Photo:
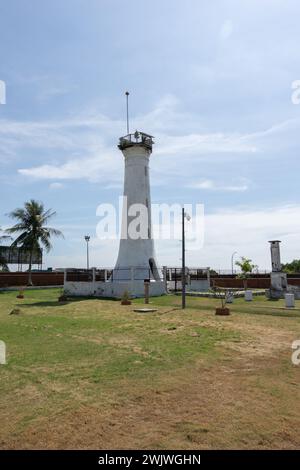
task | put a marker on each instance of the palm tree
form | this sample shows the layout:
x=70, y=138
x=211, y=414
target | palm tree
x=3, y=264
x=34, y=233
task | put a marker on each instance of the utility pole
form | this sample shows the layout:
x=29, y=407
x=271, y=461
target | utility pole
x=87, y=239
x=183, y=264
x=232, y=256
x=183, y=276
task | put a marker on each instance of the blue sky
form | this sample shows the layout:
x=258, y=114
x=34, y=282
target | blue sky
x=210, y=80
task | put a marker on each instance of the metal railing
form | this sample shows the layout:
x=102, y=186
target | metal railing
x=109, y=275
x=136, y=138
x=79, y=275
x=138, y=273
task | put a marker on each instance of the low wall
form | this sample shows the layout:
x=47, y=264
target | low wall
x=252, y=283
x=112, y=289
x=200, y=285
x=258, y=281
x=38, y=279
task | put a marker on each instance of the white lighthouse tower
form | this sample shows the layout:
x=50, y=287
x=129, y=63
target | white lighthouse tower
x=136, y=263
x=136, y=260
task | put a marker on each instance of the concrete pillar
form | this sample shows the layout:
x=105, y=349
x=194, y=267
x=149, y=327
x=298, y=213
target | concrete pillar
x=248, y=295
x=165, y=276
x=275, y=255
x=2, y=352
x=94, y=281
x=289, y=300
x=208, y=276
x=146, y=291
x=65, y=275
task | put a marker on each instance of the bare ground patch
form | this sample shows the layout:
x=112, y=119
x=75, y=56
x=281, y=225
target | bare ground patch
x=241, y=401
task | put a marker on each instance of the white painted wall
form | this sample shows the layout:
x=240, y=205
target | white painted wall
x=113, y=289
x=200, y=285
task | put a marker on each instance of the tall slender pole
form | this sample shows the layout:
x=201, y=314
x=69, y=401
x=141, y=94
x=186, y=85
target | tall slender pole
x=232, y=256
x=87, y=239
x=127, y=114
x=183, y=263
x=87, y=256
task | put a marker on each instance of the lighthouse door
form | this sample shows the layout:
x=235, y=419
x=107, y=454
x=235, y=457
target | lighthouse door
x=154, y=269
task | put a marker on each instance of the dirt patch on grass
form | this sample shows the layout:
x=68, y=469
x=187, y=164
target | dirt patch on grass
x=207, y=408
x=242, y=392
x=238, y=402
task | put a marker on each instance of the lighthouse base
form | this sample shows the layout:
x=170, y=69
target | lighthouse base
x=113, y=289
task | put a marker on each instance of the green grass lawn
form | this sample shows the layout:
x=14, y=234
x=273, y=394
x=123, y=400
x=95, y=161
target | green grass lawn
x=104, y=358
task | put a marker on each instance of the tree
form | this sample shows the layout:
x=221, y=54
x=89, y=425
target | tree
x=3, y=265
x=293, y=267
x=34, y=234
x=246, y=266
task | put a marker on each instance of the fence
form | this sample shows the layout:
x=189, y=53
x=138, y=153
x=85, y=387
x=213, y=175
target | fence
x=109, y=275
x=38, y=279
x=256, y=281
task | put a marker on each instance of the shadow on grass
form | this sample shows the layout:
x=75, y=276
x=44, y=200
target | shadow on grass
x=283, y=314
x=257, y=310
x=56, y=303
x=46, y=303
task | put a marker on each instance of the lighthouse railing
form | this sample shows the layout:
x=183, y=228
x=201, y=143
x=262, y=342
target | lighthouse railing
x=136, y=138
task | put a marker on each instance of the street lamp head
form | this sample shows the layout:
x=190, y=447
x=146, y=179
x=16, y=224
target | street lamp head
x=87, y=238
x=187, y=216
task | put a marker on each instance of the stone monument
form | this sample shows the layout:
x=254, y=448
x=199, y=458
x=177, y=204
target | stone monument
x=279, y=285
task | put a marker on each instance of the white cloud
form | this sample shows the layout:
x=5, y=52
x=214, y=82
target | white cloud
x=103, y=166
x=245, y=230
x=202, y=144
x=226, y=30
x=248, y=231
x=85, y=146
x=56, y=185
x=51, y=91
x=212, y=185
x=96, y=158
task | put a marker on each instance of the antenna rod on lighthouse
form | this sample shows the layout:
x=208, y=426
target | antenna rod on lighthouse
x=127, y=94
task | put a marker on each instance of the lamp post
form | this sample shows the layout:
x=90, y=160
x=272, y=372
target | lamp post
x=87, y=239
x=232, y=256
x=187, y=217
